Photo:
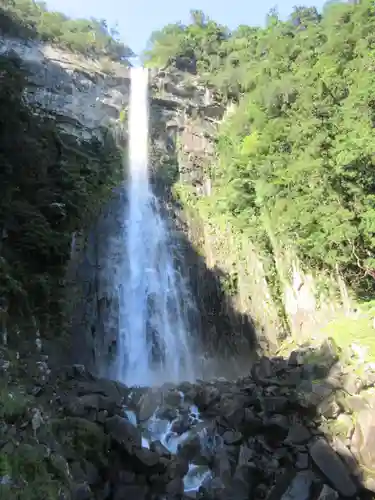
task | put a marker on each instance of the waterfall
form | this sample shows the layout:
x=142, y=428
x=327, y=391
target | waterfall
x=154, y=343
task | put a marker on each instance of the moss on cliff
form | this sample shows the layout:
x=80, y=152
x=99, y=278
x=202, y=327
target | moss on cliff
x=50, y=186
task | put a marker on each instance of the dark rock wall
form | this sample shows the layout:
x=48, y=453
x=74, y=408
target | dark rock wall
x=94, y=270
x=182, y=126
x=184, y=120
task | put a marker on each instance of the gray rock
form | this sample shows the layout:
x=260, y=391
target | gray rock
x=123, y=432
x=363, y=440
x=327, y=493
x=222, y=467
x=298, y=434
x=82, y=492
x=275, y=404
x=131, y=492
x=232, y=437
x=160, y=449
x=175, y=487
x=148, y=404
x=148, y=458
x=302, y=461
x=300, y=487
x=332, y=467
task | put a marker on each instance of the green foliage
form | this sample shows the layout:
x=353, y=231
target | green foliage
x=31, y=477
x=196, y=46
x=92, y=37
x=296, y=158
x=13, y=403
x=358, y=330
x=50, y=187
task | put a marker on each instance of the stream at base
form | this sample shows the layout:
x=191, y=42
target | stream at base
x=172, y=434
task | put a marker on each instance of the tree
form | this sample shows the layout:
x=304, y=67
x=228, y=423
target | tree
x=31, y=19
x=297, y=157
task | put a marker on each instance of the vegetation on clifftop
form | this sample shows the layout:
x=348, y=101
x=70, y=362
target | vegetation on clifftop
x=32, y=19
x=296, y=157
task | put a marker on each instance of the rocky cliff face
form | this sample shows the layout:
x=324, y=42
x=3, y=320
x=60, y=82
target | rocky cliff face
x=86, y=100
x=295, y=427
x=185, y=119
x=84, y=95
x=235, y=292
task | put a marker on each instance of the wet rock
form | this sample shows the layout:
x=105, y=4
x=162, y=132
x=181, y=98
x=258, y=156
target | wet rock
x=166, y=413
x=173, y=398
x=332, y=467
x=256, y=438
x=160, y=449
x=98, y=402
x=190, y=449
x=148, y=404
x=115, y=391
x=206, y=396
x=181, y=425
x=177, y=466
x=123, y=433
x=158, y=483
x=147, y=459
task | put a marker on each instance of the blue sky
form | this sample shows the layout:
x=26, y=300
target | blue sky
x=136, y=19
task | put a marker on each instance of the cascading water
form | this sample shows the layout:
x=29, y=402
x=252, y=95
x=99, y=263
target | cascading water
x=154, y=344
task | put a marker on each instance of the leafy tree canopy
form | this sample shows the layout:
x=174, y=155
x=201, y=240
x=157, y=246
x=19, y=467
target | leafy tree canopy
x=296, y=159
x=92, y=37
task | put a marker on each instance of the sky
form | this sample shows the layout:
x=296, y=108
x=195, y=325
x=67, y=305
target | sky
x=137, y=19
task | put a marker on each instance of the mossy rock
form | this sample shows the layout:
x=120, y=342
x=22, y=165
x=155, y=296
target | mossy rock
x=81, y=438
x=30, y=474
x=13, y=402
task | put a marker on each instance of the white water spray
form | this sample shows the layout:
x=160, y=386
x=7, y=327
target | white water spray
x=154, y=344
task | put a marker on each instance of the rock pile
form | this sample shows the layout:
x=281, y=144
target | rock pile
x=299, y=428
